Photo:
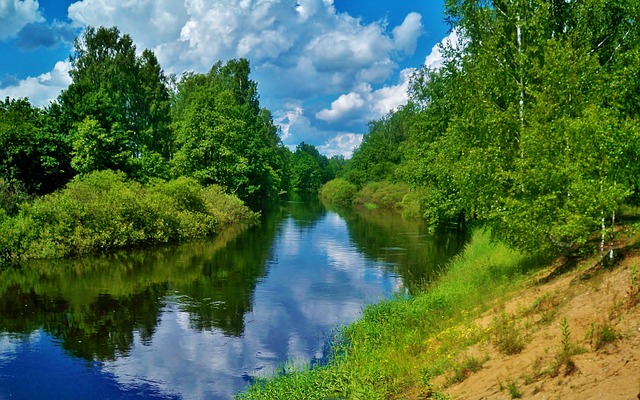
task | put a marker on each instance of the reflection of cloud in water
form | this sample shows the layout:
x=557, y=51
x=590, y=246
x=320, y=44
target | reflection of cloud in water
x=11, y=344
x=348, y=259
x=291, y=237
x=179, y=360
x=8, y=348
x=317, y=280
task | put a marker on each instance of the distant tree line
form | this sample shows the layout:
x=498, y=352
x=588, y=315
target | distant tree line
x=122, y=113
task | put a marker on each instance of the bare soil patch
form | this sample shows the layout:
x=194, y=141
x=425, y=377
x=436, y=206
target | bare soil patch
x=579, y=333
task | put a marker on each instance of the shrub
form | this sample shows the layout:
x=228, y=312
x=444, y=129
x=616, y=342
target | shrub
x=103, y=211
x=383, y=194
x=338, y=192
x=413, y=204
x=12, y=194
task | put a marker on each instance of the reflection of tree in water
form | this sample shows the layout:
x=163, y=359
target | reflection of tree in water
x=405, y=245
x=305, y=211
x=97, y=305
x=223, y=292
x=101, y=330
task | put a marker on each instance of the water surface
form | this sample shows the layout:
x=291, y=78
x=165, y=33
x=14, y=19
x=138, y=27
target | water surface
x=201, y=320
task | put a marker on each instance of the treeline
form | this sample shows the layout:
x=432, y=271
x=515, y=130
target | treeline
x=203, y=136
x=121, y=112
x=531, y=127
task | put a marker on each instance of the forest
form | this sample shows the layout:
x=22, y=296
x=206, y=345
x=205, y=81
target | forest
x=128, y=156
x=530, y=127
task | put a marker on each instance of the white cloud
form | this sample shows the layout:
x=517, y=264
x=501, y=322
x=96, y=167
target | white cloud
x=292, y=115
x=389, y=98
x=149, y=22
x=341, y=145
x=41, y=89
x=344, y=106
x=406, y=36
x=14, y=15
x=365, y=103
x=435, y=59
x=298, y=127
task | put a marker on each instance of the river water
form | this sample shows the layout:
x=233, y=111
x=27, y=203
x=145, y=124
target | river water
x=202, y=320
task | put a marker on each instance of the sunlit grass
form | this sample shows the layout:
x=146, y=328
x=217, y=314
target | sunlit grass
x=401, y=344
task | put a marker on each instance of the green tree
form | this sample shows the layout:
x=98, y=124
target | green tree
x=96, y=149
x=306, y=175
x=309, y=169
x=381, y=150
x=222, y=135
x=33, y=154
x=122, y=92
x=525, y=128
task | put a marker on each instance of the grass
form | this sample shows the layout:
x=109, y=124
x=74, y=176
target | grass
x=514, y=391
x=465, y=368
x=605, y=334
x=401, y=344
x=507, y=335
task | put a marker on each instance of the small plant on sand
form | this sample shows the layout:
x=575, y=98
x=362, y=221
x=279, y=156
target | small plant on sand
x=429, y=393
x=563, y=359
x=605, y=334
x=506, y=334
x=546, y=306
x=512, y=387
x=466, y=367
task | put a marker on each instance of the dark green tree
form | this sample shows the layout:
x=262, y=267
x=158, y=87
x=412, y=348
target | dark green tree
x=222, y=135
x=381, y=150
x=33, y=153
x=123, y=93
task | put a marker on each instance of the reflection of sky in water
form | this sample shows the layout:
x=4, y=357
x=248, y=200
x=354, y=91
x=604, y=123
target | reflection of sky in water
x=38, y=368
x=316, y=281
x=8, y=347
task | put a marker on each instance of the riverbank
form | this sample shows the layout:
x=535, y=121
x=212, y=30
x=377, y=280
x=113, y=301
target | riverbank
x=104, y=211
x=496, y=324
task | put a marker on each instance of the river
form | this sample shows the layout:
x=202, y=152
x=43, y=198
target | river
x=203, y=319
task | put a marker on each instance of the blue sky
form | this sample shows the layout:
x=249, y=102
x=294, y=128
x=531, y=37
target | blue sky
x=324, y=67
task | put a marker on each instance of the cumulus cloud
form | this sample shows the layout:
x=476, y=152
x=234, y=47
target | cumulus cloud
x=341, y=145
x=405, y=36
x=298, y=127
x=344, y=107
x=435, y=59
x=42, y=89
x=14, y=15
x=149, y=22
x=365, y=103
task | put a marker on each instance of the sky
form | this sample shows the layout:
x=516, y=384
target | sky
x=324, y=68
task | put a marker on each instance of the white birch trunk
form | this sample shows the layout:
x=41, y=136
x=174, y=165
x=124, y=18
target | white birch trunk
x=613, y=225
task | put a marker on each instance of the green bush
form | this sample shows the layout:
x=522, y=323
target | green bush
x=383, y=194
x=338, y=192
x=413, y=204
x=104, y=211
x=12, y=194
